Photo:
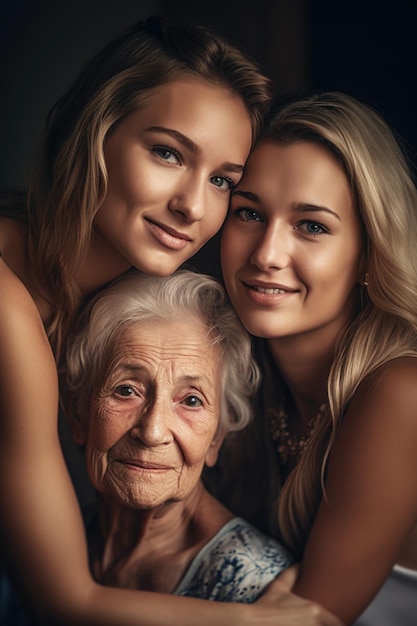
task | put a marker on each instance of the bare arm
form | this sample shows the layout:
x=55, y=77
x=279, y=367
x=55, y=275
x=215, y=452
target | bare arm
x=39, y=512
x=372, y=495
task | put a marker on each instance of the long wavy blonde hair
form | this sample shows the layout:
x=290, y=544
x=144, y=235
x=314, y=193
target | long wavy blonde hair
x=70, y=180
x=386, y=325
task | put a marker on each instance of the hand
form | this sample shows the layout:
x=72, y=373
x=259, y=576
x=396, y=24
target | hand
x=290, y=609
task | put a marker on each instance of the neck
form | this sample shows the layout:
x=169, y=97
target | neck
x=305, y=370
x=99, y=267
x=151, y=549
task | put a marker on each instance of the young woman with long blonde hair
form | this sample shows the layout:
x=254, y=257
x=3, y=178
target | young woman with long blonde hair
x=319, y=256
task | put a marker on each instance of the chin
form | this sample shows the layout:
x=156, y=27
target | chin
x=259, y=330
x=158, y=269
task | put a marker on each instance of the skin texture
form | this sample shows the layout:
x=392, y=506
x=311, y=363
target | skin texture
x=50, y=552
x=291, y=256
x=151, y=428
x=279, y=237
x=171, y=167
x=153, y=424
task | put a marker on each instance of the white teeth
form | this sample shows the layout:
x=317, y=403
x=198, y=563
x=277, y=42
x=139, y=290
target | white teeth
x=269, y=291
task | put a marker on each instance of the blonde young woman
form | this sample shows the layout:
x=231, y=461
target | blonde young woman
x=138, y=162
x=319, y=257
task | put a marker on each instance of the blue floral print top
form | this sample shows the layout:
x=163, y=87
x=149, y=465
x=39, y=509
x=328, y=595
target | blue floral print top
x=235, y=565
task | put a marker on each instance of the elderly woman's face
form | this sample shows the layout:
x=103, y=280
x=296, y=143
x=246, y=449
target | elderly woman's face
x=154, y=423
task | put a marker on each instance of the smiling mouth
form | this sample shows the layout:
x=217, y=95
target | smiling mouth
x=144, y=465
x=161, y=230
x=267, y=290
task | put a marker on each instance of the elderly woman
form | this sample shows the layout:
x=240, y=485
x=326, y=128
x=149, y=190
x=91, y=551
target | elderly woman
x=160, y=372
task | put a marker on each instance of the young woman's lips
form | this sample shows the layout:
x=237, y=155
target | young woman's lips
x=167, y=236
x=267, y=293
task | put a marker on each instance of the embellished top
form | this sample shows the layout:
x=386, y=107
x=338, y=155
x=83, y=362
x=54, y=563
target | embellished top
x=235, y=565
x=289, y=446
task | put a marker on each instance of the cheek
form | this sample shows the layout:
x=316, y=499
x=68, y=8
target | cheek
x=132, y=177
x=226, y=238
x=105, y=438
x=236, y=247
x=331, y=266
x=332, y=278
x=228, y=247
x=106, y=428
x=215, y=221
x=194, y=443
x=96, y=463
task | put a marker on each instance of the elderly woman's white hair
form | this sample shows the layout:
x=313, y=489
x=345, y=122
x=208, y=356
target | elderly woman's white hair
x=135, y=298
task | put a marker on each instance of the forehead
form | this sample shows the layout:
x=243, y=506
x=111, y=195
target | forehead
x=299, y=155
x=203, y=111
x=187, y=90
x=305, y=170
x=179, y=344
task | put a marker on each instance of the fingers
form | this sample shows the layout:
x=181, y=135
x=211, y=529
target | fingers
x=285, y=608
x=288, y=577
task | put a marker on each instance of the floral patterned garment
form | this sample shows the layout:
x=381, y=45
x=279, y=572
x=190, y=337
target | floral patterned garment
x=235, y=565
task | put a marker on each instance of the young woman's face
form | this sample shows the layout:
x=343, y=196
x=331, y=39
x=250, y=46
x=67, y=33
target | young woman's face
x=291, y=246
x=154, y=423
x=171, y=166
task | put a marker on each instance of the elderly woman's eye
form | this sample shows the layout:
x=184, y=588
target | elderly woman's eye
x=125, y=390
x=192, y=401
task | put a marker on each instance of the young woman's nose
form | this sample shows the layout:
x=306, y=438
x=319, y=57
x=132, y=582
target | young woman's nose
x=272, y=249
x=189, y=199
x=152, y=426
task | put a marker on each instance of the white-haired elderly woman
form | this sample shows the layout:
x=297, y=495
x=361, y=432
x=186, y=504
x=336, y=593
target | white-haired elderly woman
x=160, y=372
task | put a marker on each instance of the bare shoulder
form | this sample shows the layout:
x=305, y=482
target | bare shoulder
x=402, y=369
x=370, y=506
x=20, y=319
x=390, y=390
x=14, y=292
x=13, y=241
x=26, y=363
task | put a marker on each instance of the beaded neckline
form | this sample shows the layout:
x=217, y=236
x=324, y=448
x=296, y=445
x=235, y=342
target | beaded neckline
x=288, y=445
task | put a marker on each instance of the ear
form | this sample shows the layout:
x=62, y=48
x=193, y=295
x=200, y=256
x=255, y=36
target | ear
x=215, y=445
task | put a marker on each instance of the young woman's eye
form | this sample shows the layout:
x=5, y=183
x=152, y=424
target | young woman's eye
x=223, y=182
x=248, y=215
x=312, y=228
x=126, y=391
x=167, y=154
x=192, y=402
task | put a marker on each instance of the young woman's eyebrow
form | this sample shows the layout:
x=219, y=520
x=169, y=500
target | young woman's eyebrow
x=175, y=134
x=190, y=145
x=317, y=208
x=248, y=195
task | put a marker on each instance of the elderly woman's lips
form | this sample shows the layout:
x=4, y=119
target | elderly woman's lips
x=144, y=465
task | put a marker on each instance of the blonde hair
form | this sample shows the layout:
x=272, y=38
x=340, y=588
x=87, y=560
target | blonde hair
x=70, y=180
x=136, y=298
x=386, y=325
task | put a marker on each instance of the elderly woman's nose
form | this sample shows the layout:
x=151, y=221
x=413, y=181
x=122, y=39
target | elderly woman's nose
x=152, y=426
